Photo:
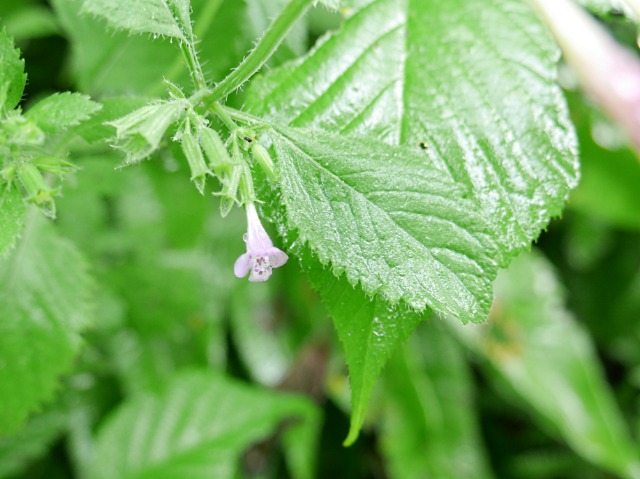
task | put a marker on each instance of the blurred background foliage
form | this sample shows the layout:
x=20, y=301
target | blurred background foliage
x=548, y=389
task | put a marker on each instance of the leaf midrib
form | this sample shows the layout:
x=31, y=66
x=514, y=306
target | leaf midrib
x=407, y=233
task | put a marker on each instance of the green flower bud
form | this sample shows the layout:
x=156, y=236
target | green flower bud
x=262, y=157
x=22, y=131
x=229, y=193
x=175, y=92
x=38, y=191
x=139, y=133
x=247, y=192
x=52, y=164
x=217, y=154
x=193, y=153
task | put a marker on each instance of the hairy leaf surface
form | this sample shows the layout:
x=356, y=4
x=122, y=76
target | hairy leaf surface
x=160, y=17
x=62, y=110
x=470, y=82
x=12, y=75
x=103, y=61
x=11, y=217
x=44, y=294
x=369, y=329
x=387, y=218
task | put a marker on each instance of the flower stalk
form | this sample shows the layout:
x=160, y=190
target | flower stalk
x=608, y=72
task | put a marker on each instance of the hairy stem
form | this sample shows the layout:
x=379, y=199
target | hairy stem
x=201, y=25
x=218, y=109
x=238, y=115
x=193, y=65
x=267, y=45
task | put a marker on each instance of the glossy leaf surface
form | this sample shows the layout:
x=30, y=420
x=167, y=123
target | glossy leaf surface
x=432, y=76
x=389, y=220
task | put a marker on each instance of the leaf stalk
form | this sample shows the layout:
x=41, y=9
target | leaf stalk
x=266, y=47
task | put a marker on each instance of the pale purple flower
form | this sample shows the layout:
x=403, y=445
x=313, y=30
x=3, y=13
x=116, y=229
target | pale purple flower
x=609, y=73
x=261, y=256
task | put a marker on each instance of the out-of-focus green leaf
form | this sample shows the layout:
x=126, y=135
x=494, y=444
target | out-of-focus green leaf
x=197, y=426
x=134, y=226
x=608, y=188
x=31, y=21
x=61, y=111
x=470, y=82
x=159, y=17
x=17, y=450
x=12, y=75
x=44, y=304
x=429, y=423
x=534, y=347
x=606, y=7
x=12, y=213
x=331, y=4
x=256, y=332
x=103, y=61
x=388, y=219
x=261, y=12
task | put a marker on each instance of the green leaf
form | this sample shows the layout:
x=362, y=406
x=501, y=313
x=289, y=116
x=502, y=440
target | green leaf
x=331, y=4
x=259, y=16
x=534, y=346
x=61, y=111
x=160, y=17
x=12, y=75
x=31, y=21
x=430, y=428
x=369, y=329
x=198, y=426
x=266, y=355
x=388, y=219
x=44, y=294
x=103, y=61
x=606, y=7
x=472, y=82
x=17, y=450
x=11, y=218
x=608, y=188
